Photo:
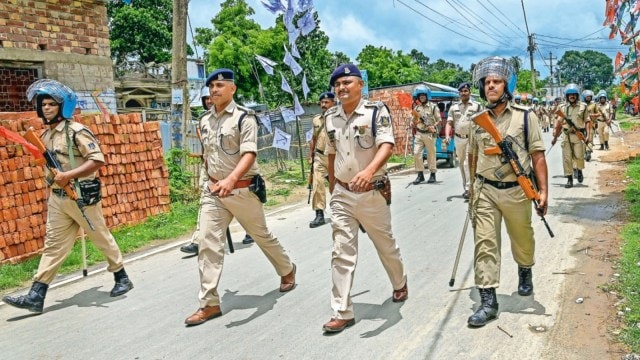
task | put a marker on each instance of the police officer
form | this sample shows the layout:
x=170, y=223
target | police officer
x=518, y=99
x=426, y=117
x=229, y=136
x=573, y=148
x=360, y=143
x=604, y=120
x=78, y=152
x=192, y=247
x=500, y=197
x=319, y=160
x=593, y=112
x=458, y=117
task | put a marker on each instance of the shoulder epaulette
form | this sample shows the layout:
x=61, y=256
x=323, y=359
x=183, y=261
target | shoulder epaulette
x=208, y=112
x=246, y=110
x=520, y=107
x=332, y=110
x=378, y=104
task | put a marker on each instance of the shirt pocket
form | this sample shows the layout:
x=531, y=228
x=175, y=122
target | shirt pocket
x=229, y=142
x=364, y=138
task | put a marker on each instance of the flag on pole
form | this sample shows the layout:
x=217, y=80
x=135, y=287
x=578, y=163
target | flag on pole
x=288, y=115
x=297, y=108
x=264, y=119
x=305, y=87
x=291, y=62
x=267, y=64
x=294, y=50
x=281, y=140
x=304, y=5
x=308, y=135
x=274, y=6
x=285, y=85
x=306, y=23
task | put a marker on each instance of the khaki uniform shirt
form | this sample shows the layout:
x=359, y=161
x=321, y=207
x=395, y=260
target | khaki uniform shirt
x=352, y=139
x=510, y=122
x=577, y=114
x=319, y=134
x=84, y=145
x=429, y=116
x=224, y=143
x=460, y=114
x=605, y=111
x=592, y=108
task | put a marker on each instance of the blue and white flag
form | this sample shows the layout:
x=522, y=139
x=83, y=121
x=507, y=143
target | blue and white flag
x=297, y=108
x=281, y=140
x=306, y=23
x=267, y=64
x=304, y=5
x=291, y=62
x=288, y=115
x=305, y=87
x=294, y=50
x=266, y=121
x=285, y=85
x=308, y=135
x=274, y=6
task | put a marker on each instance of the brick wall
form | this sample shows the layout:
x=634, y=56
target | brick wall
x=135, y=180
x=396, y=100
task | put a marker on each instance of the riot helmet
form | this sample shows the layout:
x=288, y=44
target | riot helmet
x=495, y=66
x=422, y=90
x=60, y=93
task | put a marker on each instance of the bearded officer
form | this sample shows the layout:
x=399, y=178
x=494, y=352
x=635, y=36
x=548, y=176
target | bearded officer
x=319, y=160
x=458, y=117
x=235, y=189
x=360, y=143
x=496, y=194
x=78, y=152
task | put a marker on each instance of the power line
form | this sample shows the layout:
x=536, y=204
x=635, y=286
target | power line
x=475, y=26
x=482, y=21
x=505, y=16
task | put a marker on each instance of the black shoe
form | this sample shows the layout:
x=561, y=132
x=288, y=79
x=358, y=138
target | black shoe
x=606, y=145
x=465, y=195
x=525, y=281
x=318, y=221
x=587, y=155
x=601, y=146
x=191, y=248
x=569, y=183
x=247, y=239
x=432, y=178
x=123, y=284
x=33, y=301
x=488, y=309
x=580, y=176
x=419, y=179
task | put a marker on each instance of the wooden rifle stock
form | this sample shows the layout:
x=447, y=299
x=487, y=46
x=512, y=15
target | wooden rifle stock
x=577, y=131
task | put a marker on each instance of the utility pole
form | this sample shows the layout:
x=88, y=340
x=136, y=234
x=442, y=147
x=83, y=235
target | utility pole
x=179, y=60
x=551, y=73
x=531, y=48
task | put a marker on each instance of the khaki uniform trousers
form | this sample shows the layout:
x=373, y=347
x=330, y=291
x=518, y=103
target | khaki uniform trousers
x=348, y=209
x=319, y=190
x=572, y=153
x=603, y=131
x=64, y=219
x=492, y=205
x=421, y=141
x=461, y=153
x=215, y=215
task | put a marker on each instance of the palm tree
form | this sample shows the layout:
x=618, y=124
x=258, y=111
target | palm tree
x=516, y=62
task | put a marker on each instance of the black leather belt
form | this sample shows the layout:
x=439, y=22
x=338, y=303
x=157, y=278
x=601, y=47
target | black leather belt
x=59, y=192
x=423, y=131
x=498, y=184
x=462, y=136
x=319, y=152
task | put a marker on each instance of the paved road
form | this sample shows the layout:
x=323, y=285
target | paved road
x=82, y=322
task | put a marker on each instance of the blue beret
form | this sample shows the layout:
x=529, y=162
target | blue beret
x=220, y=74
x=464, y=85
x=344, y=70
x=327, y=95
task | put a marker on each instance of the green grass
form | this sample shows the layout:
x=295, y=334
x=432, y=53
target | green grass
x=629, y=284
x=179, y=221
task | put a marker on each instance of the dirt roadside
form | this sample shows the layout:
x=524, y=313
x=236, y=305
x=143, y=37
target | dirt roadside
x=589, y=330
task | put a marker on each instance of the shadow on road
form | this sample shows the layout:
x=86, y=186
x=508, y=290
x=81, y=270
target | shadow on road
x=261, y=303
x=388, y=311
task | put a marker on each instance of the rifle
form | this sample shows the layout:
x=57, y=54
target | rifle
x=582, y=136
x=506, y=149
x=55, y=167
x=310, y=179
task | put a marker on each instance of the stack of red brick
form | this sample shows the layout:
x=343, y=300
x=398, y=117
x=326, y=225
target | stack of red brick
x=400, y=115
x=135, y=180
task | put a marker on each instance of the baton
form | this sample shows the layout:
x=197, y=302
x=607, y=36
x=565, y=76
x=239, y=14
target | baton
x=455, y=264
x=229, y=241
x=83, y=243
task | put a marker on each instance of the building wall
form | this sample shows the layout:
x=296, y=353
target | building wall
x=66, y=40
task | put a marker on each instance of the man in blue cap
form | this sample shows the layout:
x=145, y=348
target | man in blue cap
x=361, y=140
x=318, y=158
x=234, y=189
x=459, y=117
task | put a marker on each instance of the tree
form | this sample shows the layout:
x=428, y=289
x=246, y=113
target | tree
x=446, y=73
x=340, y=58
x=384, y=67
x=589, y=69
x=516, y=62
x=141, y=30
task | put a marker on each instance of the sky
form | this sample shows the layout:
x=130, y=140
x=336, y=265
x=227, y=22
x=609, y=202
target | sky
x=458, y=31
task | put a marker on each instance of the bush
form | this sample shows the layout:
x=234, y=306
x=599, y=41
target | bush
x=180, y=188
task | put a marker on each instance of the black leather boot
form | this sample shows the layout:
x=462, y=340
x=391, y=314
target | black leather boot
x=569, y=183
x=123, y=284
x=580, y=176
x=587, y=155
x=419, y=179
x=247, y=239
x=488, y=309
x=601, y=146
x=432, y=178
x=606, y=145
x=525, y=281
x=33, y=301
x=319, y=220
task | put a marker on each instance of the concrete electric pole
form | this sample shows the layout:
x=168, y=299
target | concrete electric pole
x=179, y=61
